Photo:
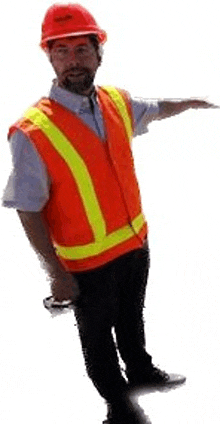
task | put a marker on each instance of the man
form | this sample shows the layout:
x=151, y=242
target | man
x=74, y=187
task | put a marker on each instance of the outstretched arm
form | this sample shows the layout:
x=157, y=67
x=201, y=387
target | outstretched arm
x=171, y=108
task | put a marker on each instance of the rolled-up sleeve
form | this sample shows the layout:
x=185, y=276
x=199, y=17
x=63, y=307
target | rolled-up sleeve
x=144, y=112
x=28, y=185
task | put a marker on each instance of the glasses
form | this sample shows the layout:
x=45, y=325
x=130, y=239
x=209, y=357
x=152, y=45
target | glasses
x=81, y=52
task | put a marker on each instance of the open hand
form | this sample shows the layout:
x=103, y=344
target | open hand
x=196, y=104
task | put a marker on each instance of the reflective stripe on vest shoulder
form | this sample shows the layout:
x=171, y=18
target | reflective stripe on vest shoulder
x=121, y=106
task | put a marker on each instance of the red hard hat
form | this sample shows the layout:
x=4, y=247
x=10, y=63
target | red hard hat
x=68, y=20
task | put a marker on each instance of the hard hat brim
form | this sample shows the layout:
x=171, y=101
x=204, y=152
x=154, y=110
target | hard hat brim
x=102, y=37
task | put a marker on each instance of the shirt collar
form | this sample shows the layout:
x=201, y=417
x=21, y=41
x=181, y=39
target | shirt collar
x=72, y=101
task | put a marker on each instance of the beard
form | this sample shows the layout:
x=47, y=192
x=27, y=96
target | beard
x=77, y=84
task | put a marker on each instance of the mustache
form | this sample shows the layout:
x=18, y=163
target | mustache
x=72, y=69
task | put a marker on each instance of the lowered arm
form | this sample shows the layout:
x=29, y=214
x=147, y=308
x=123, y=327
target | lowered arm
x=63, y=284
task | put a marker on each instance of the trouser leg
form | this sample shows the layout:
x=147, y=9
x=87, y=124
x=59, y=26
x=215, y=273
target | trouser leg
x=129, y=329
x=95, y=314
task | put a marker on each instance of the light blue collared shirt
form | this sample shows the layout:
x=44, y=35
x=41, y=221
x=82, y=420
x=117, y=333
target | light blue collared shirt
x=28, y=186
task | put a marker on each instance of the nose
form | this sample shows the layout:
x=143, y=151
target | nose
x=73, y=59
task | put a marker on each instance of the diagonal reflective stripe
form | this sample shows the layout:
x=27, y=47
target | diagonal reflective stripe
x=93, y=249
x=121, y=107
x=77, y=167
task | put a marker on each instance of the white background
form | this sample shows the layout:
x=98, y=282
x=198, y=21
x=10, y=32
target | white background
x=155, y=49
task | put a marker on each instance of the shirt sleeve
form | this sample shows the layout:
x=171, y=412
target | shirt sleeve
x=28, y=185
x=144, y=111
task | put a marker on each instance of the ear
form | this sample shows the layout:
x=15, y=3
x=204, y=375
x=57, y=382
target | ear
x=100, y=54
x=47, y=51
x=49, y=56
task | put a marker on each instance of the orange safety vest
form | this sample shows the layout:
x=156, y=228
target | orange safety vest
x=94, y=211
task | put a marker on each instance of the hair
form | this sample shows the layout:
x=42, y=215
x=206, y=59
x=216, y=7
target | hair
x=94, y=40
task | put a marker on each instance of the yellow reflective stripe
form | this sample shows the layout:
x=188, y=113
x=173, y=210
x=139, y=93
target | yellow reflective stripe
x=138, y=222
x=77, y=167
x=121, y=107
x=111, y=240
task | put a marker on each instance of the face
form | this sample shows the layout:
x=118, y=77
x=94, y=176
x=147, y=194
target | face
x=75, y=63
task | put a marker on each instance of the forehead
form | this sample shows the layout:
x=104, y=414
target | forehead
x=72, y=41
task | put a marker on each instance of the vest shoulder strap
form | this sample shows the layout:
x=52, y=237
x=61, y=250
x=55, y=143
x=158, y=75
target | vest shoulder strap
x=121, y=100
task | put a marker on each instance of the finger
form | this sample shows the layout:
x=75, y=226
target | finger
x=204, y=105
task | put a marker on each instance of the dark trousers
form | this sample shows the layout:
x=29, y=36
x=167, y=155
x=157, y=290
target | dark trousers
x=112, y=296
